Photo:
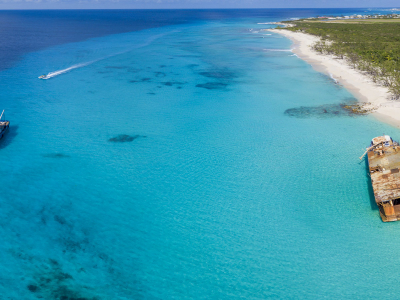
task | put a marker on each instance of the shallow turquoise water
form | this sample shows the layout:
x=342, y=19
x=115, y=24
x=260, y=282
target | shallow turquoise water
x=219, y=194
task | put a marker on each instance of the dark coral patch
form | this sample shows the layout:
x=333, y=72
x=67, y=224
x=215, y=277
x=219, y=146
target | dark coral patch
x=145, y=79
x=72, y=245
x=53, y=283
x=160, y=74
x=60, y=219
x=55, y=155
x=171, y=83
x=219, y=74
x=33, y=288
x=322, y=111
x=134, y=70
x=123, y=138
x=212, y=85
x=191, y=66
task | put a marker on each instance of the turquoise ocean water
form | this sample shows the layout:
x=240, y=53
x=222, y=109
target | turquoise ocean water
x=162, y=165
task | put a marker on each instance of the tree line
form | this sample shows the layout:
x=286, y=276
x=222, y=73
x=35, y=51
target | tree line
x=373, y=48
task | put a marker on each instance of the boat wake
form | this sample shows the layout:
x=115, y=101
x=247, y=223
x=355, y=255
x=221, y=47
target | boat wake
x=59, y=72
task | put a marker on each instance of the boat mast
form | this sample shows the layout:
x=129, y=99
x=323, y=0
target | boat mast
x=1, y=114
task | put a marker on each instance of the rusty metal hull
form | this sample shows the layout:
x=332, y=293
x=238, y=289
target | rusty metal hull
x=384, y=166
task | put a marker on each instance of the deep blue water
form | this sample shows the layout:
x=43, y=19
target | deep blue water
x=27, y=31
x=182, y=155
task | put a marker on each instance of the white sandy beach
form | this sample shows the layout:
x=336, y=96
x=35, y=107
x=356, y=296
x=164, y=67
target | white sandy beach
x=363, y=88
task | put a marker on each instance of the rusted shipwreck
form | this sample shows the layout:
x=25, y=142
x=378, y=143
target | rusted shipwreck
x=384, y=164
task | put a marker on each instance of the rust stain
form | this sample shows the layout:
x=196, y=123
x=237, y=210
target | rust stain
x=384, y=164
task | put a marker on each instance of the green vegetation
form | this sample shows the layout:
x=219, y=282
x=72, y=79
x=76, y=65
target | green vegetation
x=365, y=21
x=372, y=47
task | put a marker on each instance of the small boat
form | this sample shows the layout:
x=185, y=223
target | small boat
x=43, y=77
x=4, y=125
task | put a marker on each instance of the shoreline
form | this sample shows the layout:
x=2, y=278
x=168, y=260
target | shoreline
x=358, y=84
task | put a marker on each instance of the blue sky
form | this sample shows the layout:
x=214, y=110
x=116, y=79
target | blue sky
x=154, y=4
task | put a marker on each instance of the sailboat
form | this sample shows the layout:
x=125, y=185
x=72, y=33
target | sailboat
x=4, y=126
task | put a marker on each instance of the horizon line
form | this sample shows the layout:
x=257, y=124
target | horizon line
x=207, y=8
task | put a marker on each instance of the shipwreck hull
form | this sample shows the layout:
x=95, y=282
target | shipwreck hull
x=389, y=213
x=384, y=168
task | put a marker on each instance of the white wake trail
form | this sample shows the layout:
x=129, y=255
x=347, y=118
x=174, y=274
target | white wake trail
x=148, y=42
x=52, y=74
